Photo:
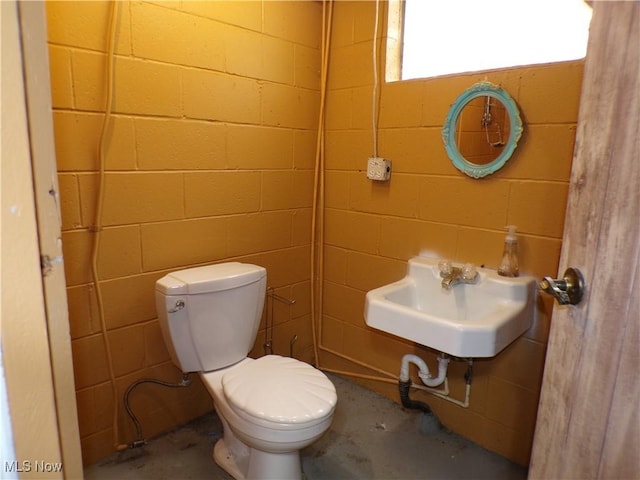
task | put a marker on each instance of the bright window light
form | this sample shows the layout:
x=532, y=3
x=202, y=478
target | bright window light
x=453, y=36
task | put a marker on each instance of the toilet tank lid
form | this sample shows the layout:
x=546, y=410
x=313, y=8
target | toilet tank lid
x=210, y=278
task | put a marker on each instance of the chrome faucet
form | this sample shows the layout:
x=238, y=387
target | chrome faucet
x=452, y=276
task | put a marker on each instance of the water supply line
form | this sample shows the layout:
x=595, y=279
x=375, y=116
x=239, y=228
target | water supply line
x=317, y=221
x=316, y=265
x=139, y=441
x=317, y=238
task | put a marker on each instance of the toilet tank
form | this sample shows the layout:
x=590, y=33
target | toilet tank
x=209, y=316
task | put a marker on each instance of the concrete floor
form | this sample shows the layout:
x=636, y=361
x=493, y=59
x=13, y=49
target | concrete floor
x=370, y=438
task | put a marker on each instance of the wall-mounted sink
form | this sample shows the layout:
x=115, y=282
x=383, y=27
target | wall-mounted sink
x=467, y=320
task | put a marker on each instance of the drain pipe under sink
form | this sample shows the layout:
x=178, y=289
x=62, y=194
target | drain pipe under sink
x=423, y=369
x=404, y=383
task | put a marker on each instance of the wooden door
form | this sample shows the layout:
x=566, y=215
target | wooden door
x=588, y=422
x=33, y=33
x=24, y=346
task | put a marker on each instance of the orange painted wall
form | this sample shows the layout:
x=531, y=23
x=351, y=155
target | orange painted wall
x=372, y=229
x=210, y=159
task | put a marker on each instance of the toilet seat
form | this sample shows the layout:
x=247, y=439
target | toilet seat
x=279, y=393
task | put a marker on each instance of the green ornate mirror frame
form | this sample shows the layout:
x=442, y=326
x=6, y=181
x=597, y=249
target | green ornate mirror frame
x=482, y=130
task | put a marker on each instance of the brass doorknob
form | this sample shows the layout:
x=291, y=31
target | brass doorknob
x=567, y=290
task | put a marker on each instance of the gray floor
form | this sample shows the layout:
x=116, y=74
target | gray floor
x=370, y=438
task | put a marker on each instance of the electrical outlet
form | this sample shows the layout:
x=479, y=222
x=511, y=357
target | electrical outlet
x=378, y=168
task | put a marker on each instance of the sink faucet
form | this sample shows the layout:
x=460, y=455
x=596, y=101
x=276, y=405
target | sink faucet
x=452, y=276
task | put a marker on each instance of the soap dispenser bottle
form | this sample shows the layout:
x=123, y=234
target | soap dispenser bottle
x=509, y=264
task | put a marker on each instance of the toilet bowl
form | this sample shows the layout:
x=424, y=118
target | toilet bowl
x=270, y=407
x=275, y=406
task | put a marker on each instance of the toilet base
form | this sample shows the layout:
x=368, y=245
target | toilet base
x=225, y=460
x=253, y=450
x=257, y=464
x=245, y=463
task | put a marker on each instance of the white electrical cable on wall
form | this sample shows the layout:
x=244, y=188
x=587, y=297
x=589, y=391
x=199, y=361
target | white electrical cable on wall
x=374, y=100
x=97, y=227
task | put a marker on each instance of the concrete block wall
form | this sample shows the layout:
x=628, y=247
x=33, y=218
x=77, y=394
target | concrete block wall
x=210, y=158
x=430, y=207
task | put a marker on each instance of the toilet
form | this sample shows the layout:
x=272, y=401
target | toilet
x=270, y=407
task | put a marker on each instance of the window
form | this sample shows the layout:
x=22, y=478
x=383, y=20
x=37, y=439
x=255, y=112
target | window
x=444, y=37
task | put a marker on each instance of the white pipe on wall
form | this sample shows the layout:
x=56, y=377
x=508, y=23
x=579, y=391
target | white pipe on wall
x=423, y=370
x=467, y=396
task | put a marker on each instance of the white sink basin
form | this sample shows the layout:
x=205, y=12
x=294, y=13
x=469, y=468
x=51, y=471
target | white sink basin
x=468, y=320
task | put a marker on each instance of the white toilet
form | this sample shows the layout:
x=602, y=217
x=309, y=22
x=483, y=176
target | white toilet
x=270, y=407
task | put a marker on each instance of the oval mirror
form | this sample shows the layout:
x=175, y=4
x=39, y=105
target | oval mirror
x=482, y=130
